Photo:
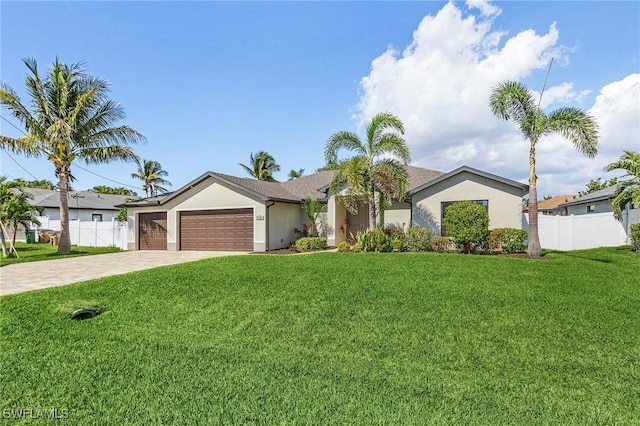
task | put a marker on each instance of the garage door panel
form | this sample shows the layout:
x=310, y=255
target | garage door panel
x=152, y=231
x=217, y=230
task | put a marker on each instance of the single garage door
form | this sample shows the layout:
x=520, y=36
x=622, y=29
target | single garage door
x=152, y=231
x=217, y=230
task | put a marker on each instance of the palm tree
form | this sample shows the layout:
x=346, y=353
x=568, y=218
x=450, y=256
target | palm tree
x=71, y=118
x=628, y=191
x=19, y=211
x=8, y=190
x=262, y=166
x=512, y=100
x=152, y=176
x=294, y=174
x=378, y=170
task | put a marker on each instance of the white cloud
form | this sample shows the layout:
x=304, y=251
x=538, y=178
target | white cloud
x=440, y=84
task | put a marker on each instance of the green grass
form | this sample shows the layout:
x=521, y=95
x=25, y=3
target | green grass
x=35, y=252
x=336, y=338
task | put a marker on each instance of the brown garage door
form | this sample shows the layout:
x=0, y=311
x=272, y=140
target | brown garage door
x=217, y=230
x=152, y=231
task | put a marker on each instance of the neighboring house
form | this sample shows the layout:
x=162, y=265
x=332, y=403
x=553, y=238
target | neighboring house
x=552, y=207
x=83, y=205
x=600, y=202
x=222, y=212
x=595, y=202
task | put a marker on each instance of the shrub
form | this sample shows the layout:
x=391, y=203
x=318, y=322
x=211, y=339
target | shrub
x=507, y=240
x=418, y=238
x=344, y=246
x=442, y=244
x=356, y=248
x=397, y=237
x=466, y=219
x=311, y=243
x=634, y=234
x=375, y=240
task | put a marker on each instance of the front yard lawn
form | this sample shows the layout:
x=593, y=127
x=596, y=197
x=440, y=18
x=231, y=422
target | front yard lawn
x=410, y=338
x=35, y=252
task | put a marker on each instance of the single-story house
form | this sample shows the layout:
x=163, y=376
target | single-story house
x=83, y=205
x=551, y=206
x=595, y=202
x=222, y=212
x=600, y=202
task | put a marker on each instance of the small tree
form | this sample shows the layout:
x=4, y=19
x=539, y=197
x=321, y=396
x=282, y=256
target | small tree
x=15, y=210
x=467, y=223
x=312, y=208
x=628, y=190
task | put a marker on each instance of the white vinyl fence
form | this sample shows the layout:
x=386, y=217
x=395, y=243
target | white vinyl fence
x=578, y=232
x=90, y=233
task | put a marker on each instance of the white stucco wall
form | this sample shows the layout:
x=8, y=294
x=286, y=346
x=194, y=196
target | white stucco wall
x=283, y=218
x=398, y=215
x=336, y=214
x=505, y=201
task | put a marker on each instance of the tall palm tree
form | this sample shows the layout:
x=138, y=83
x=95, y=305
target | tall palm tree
x=70, y=118
x=152, y=176
x=628, y=191
x=378, y=170
x=262, y=166
x=512, y=100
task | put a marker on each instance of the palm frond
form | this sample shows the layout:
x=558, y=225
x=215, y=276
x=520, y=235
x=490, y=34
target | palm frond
x=577, y=126
x=394, y=144
x=104, y=154
x=629, y=162
x=511, y=100
x=342, y=140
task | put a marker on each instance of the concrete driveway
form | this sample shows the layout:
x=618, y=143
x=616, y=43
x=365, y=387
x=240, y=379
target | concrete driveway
x=21, y=277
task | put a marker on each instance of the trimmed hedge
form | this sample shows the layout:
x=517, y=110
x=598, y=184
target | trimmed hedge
x=311, y=243
x=467, y=220
x=442, y=244
x=417, y=238
x=507, y=240
x=634, y=234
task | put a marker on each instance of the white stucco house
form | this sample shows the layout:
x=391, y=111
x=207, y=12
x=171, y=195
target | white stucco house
x=222, y=212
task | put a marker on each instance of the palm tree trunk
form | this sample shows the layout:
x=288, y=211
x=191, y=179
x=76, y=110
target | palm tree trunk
x=64, y=245
x=372, y=215
x=15, y=231
x=3, y=242
x=534, y=249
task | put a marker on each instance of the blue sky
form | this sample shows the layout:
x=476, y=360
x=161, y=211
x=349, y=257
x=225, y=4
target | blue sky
x=208, y=83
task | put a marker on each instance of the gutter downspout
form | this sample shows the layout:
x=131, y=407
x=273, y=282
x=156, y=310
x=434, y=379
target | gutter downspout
x=266, y=231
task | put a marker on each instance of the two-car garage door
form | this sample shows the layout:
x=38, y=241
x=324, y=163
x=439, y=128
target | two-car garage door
x=217, y=230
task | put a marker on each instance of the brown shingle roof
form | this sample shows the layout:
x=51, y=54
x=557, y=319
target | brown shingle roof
x=554, y=202
x=294, y=190
x=309, y=185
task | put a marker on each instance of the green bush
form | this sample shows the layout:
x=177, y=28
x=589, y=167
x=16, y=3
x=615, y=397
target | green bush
x=466, y=219
x=344, y=246
x=634, y=234
x=442, y=244
x=396, y=236
x=507, y=240
x=418, y=238
x=311, y=243
x=375, y=240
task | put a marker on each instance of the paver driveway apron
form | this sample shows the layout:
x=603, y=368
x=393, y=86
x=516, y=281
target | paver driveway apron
x=21, y=277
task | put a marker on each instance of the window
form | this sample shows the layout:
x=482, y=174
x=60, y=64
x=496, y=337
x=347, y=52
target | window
x=591, y=208
x=96, y=217
x=445, y=204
